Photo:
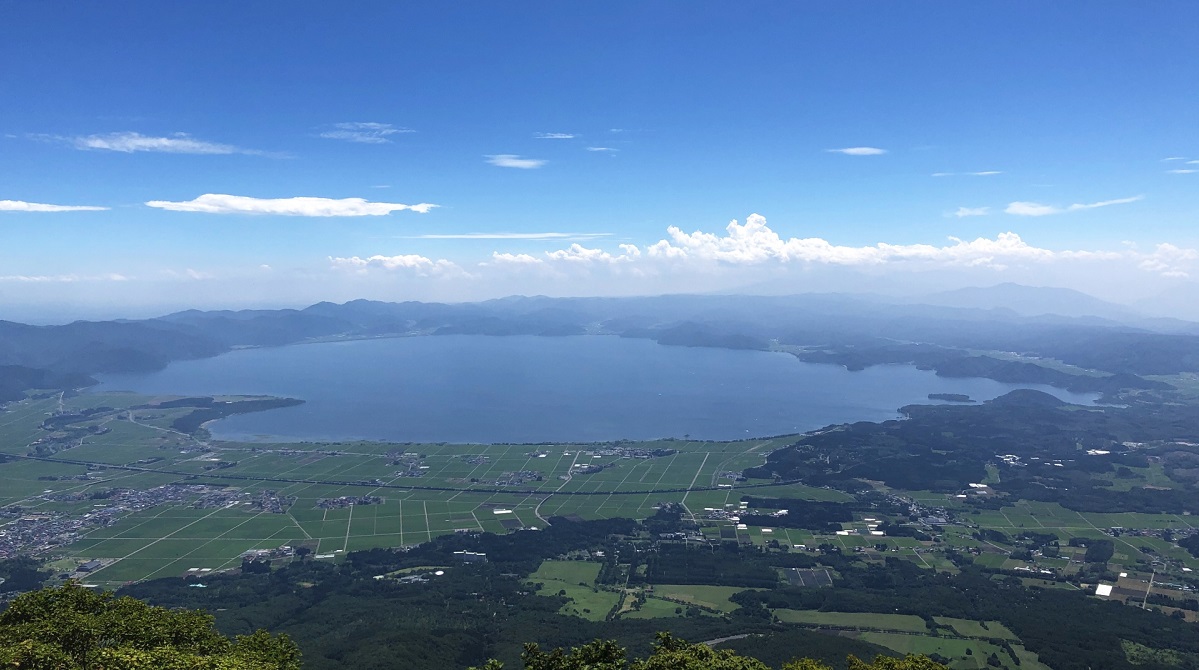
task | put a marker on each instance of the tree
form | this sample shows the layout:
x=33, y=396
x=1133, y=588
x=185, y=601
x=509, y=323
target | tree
x=74, y=628
x=671, y=653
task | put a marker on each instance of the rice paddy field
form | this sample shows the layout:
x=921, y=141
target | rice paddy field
x=339, y=497
x=402, y=494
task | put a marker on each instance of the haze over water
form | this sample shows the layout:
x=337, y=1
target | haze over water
x=469, y=388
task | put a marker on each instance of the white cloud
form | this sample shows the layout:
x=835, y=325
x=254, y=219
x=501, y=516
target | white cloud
x=554, y=136
x=1037, y=209
x=364, y=132
x=1032, y=209
x=577, y=253
x=1182, y=171
x=1106, y=203
x=1167, y=260
x=130, y=142
x=514, y=161
x=216, y=203
x=413, y=263
x=507, y=236
x=608, y=149
x=858, y=151
x=63, y=279
x=972, y=211
x=984, y=173
x=515, y=259
x=1174, y=158
x=22, y=206
x=1194, y=162
x=754, y=243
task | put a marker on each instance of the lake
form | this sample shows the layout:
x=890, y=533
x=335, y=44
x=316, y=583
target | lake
x=474, y=388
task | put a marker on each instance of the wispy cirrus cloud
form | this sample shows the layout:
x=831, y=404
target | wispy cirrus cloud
x=1182, y=171
x=22, y=206
x=364, y=132
x=217, y=203
x=508, y=236
x=514, y=161
x=63, y=279
x=1021, y=208
x=554, y=136
x=858, y=151
x=602, y=149
x=984, y=173
x=134, y=142
x=963, y=212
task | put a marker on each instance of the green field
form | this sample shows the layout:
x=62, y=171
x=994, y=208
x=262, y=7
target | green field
x=460, y=487
x=711, y=597
x=968, y=628
x=575, y=580
x=882, y=622
x=954, y=649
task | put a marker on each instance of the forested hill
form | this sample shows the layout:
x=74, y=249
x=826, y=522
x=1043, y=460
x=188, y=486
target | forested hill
x=855, y=331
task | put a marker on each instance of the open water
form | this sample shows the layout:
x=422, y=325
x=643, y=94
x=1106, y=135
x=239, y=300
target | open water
x=474, y=388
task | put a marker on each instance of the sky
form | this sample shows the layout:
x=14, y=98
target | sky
x=158, y=156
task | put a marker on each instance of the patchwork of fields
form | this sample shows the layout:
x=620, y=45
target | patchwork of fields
x=459, y=487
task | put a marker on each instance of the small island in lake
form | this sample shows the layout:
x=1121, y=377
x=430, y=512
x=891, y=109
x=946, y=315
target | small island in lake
x=950, y=397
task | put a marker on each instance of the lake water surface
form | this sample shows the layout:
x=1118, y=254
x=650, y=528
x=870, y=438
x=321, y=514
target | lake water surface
x=473, y=388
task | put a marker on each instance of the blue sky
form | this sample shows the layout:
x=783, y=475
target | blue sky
x=1034, y=134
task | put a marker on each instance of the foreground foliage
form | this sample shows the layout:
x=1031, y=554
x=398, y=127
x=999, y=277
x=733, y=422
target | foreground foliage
x=671, y=653
x=73, y=627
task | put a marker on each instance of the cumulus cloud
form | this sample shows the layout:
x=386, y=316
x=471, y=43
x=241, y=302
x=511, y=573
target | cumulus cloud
x=131, y=142
x=515, y=259
x=753, y=249
x=514, y=161
x=22, y=206
x=554, y=136
x=754, y=243
x=577, y=253
x=971, y=211
x=858, y=151
x=1038, y=209
x=364, y=132
x=416, y=264
x=1167, y=260
x=217, y=203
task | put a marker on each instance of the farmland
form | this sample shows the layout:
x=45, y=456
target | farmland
x=340, y=497
x=115, y=482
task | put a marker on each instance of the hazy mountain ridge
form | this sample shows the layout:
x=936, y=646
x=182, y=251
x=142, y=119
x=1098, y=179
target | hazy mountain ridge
x=855, y=331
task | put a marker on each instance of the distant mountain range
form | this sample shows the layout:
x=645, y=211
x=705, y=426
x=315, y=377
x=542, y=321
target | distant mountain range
x=847, y=329
x=1039, y=301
